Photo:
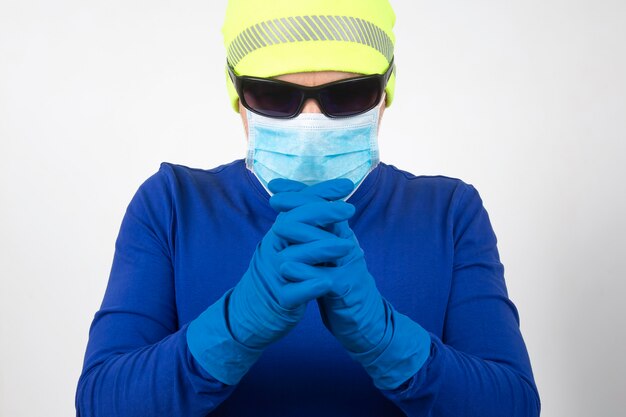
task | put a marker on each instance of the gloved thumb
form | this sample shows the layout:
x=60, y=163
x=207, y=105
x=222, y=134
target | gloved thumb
x=329, y=190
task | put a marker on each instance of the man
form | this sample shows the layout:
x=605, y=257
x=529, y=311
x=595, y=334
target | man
x=208, y=308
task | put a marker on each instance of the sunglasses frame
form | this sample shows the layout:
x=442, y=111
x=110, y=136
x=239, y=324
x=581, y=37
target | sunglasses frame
x=309, y=92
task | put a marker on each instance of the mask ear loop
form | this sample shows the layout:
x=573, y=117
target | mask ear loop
x=251, y=117
x=251, y=140
x=373, y=146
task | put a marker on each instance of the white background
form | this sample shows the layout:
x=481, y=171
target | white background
x=523, y=99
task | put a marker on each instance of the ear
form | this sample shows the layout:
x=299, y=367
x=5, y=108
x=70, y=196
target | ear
x=383, y=106
x=244, y=118
x=382, y=110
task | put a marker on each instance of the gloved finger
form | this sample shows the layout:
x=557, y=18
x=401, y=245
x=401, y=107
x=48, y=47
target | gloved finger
x=286, y=201
x=296, y=232
x=329, y=190
x=317, y=251
x=341, y=229
x=320, y=213
x=298, y=271
x=273, y=241
x=281, y=185
x=294, y=294
x=333, y=189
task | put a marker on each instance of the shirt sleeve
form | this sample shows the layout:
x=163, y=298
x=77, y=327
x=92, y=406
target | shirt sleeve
x=480, y=365
x=137, y=361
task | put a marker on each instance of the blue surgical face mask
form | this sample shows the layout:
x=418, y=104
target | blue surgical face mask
x=312, y=147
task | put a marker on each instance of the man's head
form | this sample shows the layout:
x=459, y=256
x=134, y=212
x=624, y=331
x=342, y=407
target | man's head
x=310, y=42
x=303, y=45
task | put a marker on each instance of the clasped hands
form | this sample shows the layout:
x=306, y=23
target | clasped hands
x=309, y=253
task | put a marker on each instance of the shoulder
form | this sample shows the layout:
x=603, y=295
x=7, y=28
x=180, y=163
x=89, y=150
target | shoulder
x=171, y=181
x=457, y=200
x=171, y=177
x=435, y=185
x=179, y=172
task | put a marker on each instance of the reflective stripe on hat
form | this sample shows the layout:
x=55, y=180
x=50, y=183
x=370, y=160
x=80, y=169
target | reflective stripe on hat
x=306, y=28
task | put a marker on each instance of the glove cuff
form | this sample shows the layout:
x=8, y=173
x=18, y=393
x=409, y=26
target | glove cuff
x=403, y=350
x=211, y=343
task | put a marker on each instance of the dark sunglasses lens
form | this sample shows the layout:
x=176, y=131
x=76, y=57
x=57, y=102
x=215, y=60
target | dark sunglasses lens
x=347, y=99
x=272, y=100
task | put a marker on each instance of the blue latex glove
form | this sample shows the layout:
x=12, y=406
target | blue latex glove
x=264, y=306
x=390, y=346
x=231, y=334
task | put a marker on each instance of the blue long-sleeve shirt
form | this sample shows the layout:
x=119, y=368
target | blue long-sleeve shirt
x=187, y=237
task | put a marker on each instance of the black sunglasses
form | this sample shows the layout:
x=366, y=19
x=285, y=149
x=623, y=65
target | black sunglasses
x=284, y=100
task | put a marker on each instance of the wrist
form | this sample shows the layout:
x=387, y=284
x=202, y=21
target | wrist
x=214, y=347
x=403, y=350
